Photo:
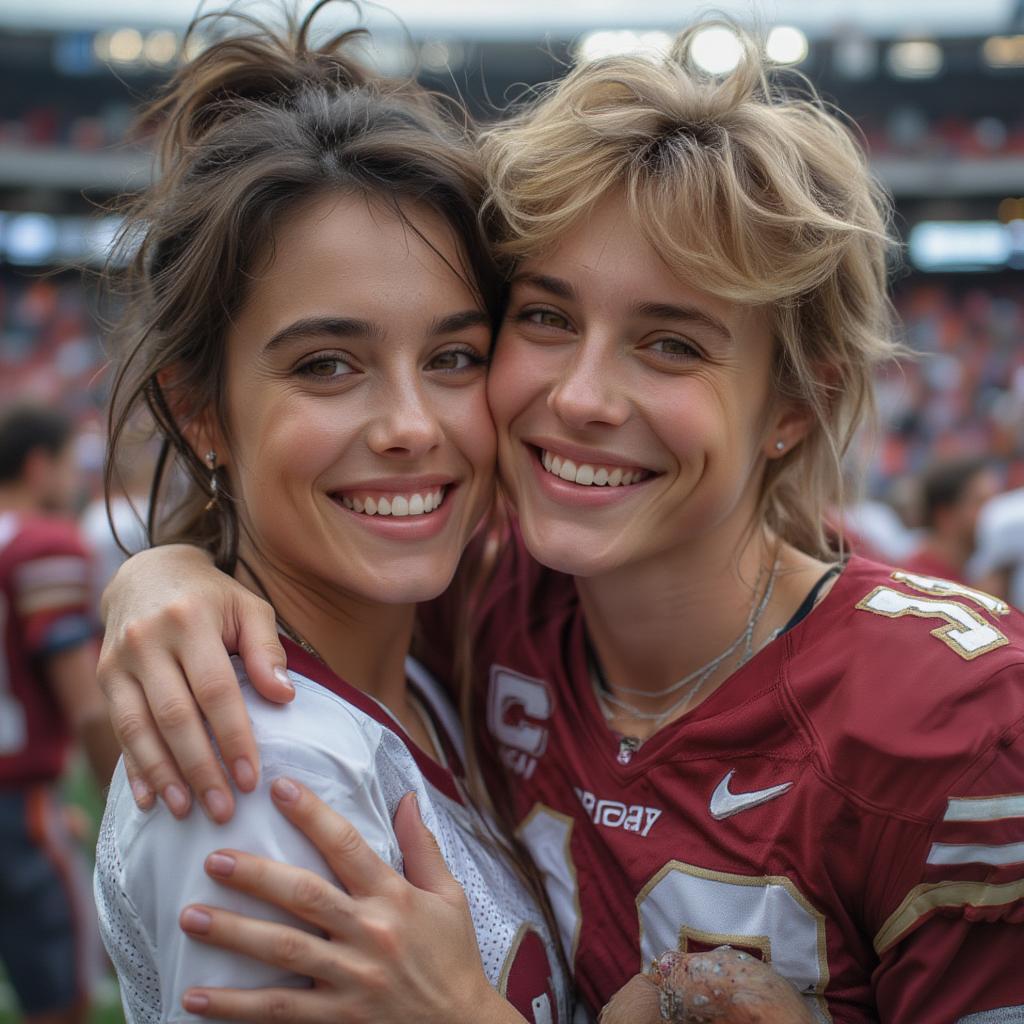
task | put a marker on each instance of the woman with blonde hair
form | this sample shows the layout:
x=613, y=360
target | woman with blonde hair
x=707, y=726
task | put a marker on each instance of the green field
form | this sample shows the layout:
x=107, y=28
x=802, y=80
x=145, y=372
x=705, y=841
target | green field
x=78, y=789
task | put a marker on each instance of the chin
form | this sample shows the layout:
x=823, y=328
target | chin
x=571, y=550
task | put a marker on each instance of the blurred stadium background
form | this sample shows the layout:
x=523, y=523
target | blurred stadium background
x=935, y=86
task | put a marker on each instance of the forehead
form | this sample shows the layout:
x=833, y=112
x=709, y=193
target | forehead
x=612, y=264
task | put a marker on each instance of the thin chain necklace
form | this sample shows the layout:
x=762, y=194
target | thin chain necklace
x=299, y=639
x=693, y=681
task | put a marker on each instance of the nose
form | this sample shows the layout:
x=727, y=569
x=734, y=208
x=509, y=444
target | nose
x=408, y=425
x=590, y=391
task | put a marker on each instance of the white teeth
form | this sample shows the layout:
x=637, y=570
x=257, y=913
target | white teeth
x=587, y=475
x=399, y=505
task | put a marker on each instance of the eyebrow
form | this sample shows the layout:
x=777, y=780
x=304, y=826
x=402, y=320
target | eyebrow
x=668, y=311
x=652, y=310
x=352, y=327
x=555, y=285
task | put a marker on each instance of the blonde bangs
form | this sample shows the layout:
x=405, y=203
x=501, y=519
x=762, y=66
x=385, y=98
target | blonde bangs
x=748, y=191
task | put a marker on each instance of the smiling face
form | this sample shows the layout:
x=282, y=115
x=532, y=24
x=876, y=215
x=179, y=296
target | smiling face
x=361, y=449
x=634, y=411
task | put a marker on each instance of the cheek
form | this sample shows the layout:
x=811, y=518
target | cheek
x=515, y=379
x=468, y=424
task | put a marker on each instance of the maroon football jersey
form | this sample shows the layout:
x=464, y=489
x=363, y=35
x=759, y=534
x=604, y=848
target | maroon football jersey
x=44, y=609
x=849, y=805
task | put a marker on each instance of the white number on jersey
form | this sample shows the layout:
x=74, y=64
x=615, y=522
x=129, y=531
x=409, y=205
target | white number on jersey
x=547, y=835
x=964, y=632
x=683, y=903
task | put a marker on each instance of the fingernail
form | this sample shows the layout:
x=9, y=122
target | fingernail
x=217, y=804
x=281, y=675
x=142, y=793
x=220, y=864
x=245, y=774
x=176, y=799
x=195, y=1002
x=195, y=920
x=285, y=790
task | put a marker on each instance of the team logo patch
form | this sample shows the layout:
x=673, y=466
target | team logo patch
x=518, y=710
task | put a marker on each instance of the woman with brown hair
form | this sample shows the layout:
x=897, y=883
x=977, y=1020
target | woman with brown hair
x=309, y=309
x=707, y=726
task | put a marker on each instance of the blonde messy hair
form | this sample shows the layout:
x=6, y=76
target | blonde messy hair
x=755, y=193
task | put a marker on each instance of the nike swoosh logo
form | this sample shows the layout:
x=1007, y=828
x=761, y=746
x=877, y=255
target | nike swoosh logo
x=725, y=804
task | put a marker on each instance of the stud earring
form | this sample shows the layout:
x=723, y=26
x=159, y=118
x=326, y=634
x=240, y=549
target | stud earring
x=211, y=461
x=780, y=446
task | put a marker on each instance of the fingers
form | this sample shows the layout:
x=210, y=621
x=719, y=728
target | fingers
x=181, y=728
x=355, y=865
x=425, y=867
x=263, y=1005
x=256, y=639
x=279, y=945
x=146, y=755
x=212, y=680
x=301, y=892
x=144, y=796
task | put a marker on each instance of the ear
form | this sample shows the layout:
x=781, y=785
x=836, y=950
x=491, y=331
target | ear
x=791, y=423
x=199, y=428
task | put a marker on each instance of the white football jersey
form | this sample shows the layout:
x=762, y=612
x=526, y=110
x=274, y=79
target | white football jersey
x=347, y=749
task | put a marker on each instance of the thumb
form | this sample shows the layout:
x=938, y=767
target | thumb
x=425, y=867
x=261, y=651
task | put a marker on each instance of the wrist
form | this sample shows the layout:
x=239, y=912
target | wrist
x=485, y=1005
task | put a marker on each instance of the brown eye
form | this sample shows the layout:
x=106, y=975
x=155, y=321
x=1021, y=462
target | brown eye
x=454, y=360
x=546, y=318
x=326, y=368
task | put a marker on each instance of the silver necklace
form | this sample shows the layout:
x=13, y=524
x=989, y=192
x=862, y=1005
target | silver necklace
x=693, y=681
x=299, y=639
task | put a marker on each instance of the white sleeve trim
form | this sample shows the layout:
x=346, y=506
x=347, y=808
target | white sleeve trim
x=1003, y=1015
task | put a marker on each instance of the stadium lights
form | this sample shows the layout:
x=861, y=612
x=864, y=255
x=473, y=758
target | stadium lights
x=614, y=43
x=960, y=245
x=716, y=50
x=786, y=45
x=1004, y=51
x=438, y=56
x=915, y=58
x=160, y=47
x=125, y=46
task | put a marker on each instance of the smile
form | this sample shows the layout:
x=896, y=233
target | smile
x=588, y=474
x=398, y=505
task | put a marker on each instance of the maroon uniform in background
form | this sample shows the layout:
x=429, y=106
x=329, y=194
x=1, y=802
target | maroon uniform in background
x=850, y=804
x=44, y=609
x=48, y=942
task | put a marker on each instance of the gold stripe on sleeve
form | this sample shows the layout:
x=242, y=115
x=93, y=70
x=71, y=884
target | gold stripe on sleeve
x=923, y=899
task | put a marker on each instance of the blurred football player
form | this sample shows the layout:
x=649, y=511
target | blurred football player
x=48, y=699
x=953, y=494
